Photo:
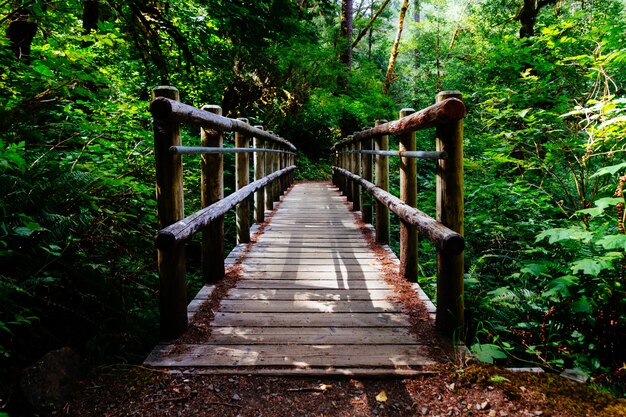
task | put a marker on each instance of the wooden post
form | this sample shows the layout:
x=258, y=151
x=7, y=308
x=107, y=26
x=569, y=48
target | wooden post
x=283, y=179
x=408, y=194
x=350, y=167
x=366, y=204
x=269, y=168
x=335, y=162
x=259, y=172
x=276, y=167
x=450, y=207
x=170, y=206
x=341, y=181
x=356, y=188
x=382, y=181
x=242, y=167
x=212, y=189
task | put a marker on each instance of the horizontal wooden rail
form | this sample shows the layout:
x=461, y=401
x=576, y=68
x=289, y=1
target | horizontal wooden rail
x=443, y=238
x=182, y=230
x=201, y=150
x=443, y=112
x=174, y=111
x=402, y=154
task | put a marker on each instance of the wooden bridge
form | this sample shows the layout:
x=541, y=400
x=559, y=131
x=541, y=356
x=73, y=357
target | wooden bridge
x=313, y=295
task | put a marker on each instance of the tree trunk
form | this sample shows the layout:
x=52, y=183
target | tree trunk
x=394, y=50
x=417, y=18
x=345, y=39
x=90, y=15
x=369, y=24
x=527, y=16
x=21, y=32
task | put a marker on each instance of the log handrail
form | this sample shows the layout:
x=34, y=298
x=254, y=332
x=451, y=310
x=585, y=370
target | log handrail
x=446, y=232
x=174, y=111
x=442, y=237
x=270, y=150
x=182, y=230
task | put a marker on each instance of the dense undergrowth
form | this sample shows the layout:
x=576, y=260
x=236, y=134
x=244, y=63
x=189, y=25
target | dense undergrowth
x=544, y=161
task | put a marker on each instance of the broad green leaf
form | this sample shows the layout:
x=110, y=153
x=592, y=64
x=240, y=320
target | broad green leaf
x=613, y=242
x=610, y=170
x=486, y=352
x=561, y=234
x=601, y=205
x=593, y=266
x=581, y=306
x=535, y=269
x=42, y=69
x=559, y=287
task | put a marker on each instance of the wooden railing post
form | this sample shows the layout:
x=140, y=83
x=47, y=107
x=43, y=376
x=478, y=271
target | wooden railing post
x=343, y=181
x=170, y=206
x=259, y=172
x=269, y=168
x=356, y=165
x=242, y=167
x=450, y=208
x=382, y=181
x=408, y=194
x=283, y=164
x=212, y=191
x=366, y=204
x=276, y=167
x=349, y=167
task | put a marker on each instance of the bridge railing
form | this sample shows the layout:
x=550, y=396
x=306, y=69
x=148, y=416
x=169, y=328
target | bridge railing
x=365, y=154
x=274, y=159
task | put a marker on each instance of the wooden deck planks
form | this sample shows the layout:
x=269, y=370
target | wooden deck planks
x=312, y=300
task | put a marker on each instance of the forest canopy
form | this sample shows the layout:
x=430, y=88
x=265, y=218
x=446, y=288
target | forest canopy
x=545, y=162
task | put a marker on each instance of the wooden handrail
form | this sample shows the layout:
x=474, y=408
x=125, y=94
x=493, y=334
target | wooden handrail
x=182, y=230
x=446, y=232
x=444, y=112
x=174, y=111
x=442, y=237
x=276, y=157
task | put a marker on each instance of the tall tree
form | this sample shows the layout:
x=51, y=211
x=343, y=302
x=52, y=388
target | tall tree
x=21, y=32
x=345, y=39
x=371, y=21
x=394, y=49
x=90, y=15
x=527, y=16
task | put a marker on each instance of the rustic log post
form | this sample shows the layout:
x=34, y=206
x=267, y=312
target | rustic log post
x=382, y=181
x=342, y=164
x=450, y=208
x=283, y=164
x=366, y=204
x=170, y=206
x=408, y=194
x=269, y=168
x=259, y=172
x=356, y=187
x=212, y=191
x=334, y=162
x=349, y=167
x=275, y=184
x=242, y=168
